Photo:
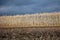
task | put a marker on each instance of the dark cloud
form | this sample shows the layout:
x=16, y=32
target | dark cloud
x=13, y=7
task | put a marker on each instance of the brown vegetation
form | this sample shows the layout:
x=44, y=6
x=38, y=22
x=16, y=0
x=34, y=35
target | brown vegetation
x=30, y=34
x=31, y=20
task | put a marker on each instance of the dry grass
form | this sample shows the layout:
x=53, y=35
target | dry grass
x=31, y=20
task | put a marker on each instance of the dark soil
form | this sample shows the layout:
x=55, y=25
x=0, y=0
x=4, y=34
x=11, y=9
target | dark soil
x=29, y=33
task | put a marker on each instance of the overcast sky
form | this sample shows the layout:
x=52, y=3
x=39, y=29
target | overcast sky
x=13, y=7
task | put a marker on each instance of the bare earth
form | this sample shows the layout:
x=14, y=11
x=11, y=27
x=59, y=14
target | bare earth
x=31, y=20
x=30, y=33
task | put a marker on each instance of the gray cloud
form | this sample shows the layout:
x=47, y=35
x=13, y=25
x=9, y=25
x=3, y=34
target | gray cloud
x=13, y=7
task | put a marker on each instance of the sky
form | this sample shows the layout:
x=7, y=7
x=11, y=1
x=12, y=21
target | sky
x=15, y=7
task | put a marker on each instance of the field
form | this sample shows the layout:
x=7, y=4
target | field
x=39, y=26
x=31, y=20
x=29, y=34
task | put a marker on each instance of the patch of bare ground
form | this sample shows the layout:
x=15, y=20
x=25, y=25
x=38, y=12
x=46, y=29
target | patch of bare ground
x=30, y=34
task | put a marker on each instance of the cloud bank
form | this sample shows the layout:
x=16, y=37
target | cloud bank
x=13, y=7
